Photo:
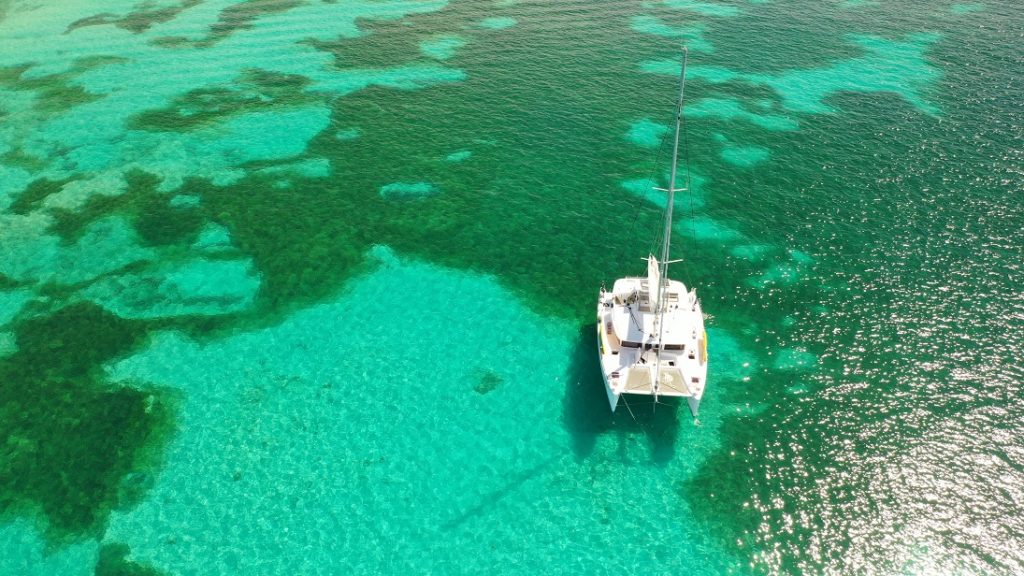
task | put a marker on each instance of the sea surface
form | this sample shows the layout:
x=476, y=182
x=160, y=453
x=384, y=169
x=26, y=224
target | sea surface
x=291, y=287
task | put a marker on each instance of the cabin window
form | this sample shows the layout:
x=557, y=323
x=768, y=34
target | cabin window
x=628, y=344
x=674, y=346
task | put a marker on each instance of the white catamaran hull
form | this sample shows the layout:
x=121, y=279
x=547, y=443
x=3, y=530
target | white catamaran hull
x=634, y=361
x=613, y=396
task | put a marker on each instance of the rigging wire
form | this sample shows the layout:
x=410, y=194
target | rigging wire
x=686, y=163
x=689, y=190
x=658, y=238
x=640, y=199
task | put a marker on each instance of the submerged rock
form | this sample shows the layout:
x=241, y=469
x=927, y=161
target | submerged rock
x=488, y=383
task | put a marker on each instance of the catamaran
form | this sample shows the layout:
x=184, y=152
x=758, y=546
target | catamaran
x=650, y=330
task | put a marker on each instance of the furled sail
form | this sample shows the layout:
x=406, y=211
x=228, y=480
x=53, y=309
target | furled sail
x=653, y=281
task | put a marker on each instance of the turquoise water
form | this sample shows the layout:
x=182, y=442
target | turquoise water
x=301, y=287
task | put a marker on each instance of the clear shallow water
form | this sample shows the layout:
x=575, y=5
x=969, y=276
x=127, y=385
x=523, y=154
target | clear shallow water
x=290, y=287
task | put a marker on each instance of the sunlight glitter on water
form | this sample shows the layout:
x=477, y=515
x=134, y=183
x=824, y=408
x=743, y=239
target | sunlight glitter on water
x=190, y=199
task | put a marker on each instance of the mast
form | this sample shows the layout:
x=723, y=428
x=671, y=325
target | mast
x=667, y=239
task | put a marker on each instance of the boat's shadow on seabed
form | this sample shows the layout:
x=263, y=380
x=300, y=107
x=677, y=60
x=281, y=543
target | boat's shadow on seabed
x=586, y=414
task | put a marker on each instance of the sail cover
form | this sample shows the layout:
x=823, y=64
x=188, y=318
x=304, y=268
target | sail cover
x=653, y=281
